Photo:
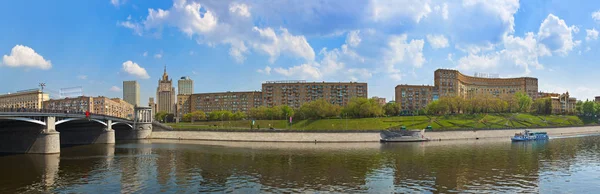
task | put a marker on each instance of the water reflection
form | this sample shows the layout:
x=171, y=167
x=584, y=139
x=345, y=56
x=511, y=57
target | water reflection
x=194, y=166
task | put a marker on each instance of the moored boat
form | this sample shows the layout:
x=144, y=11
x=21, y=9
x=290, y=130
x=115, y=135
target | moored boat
x=403, y=135
x=529, y=135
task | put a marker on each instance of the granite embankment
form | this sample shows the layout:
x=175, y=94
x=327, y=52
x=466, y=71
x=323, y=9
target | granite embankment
x=355, y=136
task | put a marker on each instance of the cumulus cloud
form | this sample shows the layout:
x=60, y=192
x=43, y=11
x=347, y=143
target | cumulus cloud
x=134, y=69
x=82, y=77
x=591, y=34
x=273, y=44
x=401, y=52
x=596, y=15
x=303, y=71
x=443, y=10
x=115, y=89
x=556, y=35
x=115, y=3
x=240, y=9
x=386, y=10
x=353, y=38
x=158, y=55
x=23, y=56
x=437, y=41
x=266, y=70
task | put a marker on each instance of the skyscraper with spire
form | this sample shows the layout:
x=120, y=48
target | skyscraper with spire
x=165, y=94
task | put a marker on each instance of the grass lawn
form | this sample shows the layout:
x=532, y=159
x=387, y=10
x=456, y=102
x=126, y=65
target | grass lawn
x=446, y=122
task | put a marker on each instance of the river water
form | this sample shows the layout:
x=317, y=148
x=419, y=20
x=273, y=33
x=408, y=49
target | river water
x=561, y=165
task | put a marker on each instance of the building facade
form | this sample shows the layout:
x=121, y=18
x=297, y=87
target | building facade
x=183, y=105
x=453, y=83
x=185, y=86
x=563, y=103
x=97, y=105
x=380, y=100
x=131, y=92
x=152, y=105
x=28, y=99
x=597, y=99
x=296, y=93
x=165, y=94
x=415, y=97
x=230, y=101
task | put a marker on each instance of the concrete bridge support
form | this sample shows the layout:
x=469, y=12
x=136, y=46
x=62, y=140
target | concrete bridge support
x=90, y=134
x=30, y=138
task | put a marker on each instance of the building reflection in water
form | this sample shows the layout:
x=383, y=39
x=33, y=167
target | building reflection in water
x=193, y=166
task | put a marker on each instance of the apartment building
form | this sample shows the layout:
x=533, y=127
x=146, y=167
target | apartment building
x=379, y=100
x=231, y=101
x=28, y=99
x=415, y=97
x=453, y=83
x=183, y=105
x=296, y=93
x=563, y=103
x=96, y=105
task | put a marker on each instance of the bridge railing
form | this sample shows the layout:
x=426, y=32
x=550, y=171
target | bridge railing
x=33, y=110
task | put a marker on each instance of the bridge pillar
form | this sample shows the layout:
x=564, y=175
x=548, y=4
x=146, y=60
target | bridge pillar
x=48, y=141
x=107, y=136
x=142, y=125
x=29, y=138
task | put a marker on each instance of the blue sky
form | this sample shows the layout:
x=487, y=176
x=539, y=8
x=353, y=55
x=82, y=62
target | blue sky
x=237, y=45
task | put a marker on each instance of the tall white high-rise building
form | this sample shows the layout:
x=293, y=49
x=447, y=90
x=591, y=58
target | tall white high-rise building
x=131, y=92
x=185, y=86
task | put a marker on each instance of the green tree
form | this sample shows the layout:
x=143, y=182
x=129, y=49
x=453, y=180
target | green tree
x=392, y=109
x=287, y=111
x=363, y=107
x=588, y=108
x=187, y=117
x=318, y=109
x=197, y=116
x=239, y=116
x=579, y=107
x=160, y=116
x=524, y=102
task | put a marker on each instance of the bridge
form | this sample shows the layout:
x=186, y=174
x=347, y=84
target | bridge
x=44, y=131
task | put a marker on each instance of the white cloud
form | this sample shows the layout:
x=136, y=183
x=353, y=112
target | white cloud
x=556, y=35
x=115, y=3
x=480, y=62
x=400, y=52
x=353, y=39
x=240, y=9
x=443, y=10
x=591, y=34
x=266, y=70
x=115, y=89
x=82, y=77
x=135, y=27
x=450, y=57
x=23, y=56
x=386, y=10
x=189, y=17
x=158, y=55
x=303, y=71
x=145, y=54
x=134, y=69
x=274, y=44
x=437, y=41
x=596, y=15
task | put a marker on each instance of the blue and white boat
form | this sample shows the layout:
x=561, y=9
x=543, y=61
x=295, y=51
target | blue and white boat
x=529, y=135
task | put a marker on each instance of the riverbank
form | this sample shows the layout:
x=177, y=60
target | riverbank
x=340, y=137
x=438, y=123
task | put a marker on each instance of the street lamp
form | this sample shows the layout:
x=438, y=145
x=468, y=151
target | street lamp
x=42, y=85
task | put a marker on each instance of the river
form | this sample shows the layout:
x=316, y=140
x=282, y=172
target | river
x=560, y=165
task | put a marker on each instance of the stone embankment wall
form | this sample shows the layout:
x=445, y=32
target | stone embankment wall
x=354, y=136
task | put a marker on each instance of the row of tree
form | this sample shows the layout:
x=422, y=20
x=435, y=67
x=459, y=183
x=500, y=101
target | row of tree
x=486, y=103
x=588, y=108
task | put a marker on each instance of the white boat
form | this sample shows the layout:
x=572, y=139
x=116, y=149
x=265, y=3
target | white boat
x=403, y=136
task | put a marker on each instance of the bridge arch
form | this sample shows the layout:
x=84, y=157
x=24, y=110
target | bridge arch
x=123, y=123
x=30, y=120
x=74, y=119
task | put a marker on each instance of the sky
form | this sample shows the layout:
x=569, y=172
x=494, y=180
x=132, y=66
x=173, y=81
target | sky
x=237, y=45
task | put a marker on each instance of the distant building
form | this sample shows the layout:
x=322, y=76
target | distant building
x=379, y=100
x=597, y=99
x=131, y=92
x=563, y=103
x=453, y=83
x=185, y=86
x=230, y=101
x=415, y=97
x=28, y=99
x=183, y=105
x=152, y=105
x=296, y=93
x=449, y=83
x=97, y=105
x=165, y=94
x=547, y=95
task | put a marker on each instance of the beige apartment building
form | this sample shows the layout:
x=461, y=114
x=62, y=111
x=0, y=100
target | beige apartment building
x=28, y=99
x=183, y=105
x=448, y=83
x=152, y=105
x=453, y=83
x=296, y=93
x=561, y=103
x=231, y=101
x=380, y=100
x=97, y=105
x=415, y=97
